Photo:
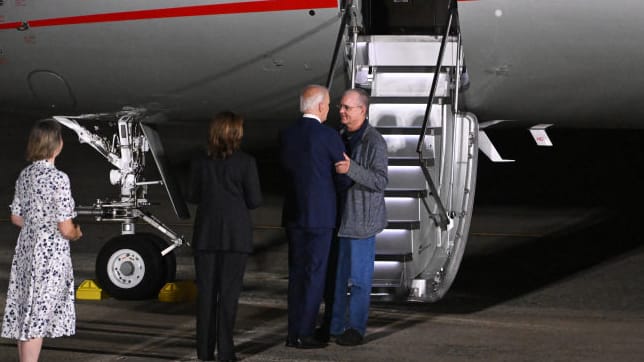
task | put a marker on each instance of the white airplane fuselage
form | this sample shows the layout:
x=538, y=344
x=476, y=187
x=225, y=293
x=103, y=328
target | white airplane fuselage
x=574, y=63
x=188, y=58
x=564, y=62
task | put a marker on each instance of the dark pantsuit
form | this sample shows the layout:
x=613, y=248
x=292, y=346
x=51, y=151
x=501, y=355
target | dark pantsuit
x=219, y=282
x=308, y=255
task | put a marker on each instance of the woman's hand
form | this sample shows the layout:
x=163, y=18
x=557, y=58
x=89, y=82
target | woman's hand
x=69, y=230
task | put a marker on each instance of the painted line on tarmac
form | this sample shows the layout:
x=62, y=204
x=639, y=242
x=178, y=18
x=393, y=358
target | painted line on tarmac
x=508, y=235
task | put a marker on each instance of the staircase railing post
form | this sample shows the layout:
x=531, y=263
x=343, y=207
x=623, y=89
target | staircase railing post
x=442, y=214
x=336, y=50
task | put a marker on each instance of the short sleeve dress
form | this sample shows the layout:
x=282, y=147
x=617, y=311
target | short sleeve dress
x=40, y=298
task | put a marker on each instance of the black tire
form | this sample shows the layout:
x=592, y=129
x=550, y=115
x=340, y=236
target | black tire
x=130, y=267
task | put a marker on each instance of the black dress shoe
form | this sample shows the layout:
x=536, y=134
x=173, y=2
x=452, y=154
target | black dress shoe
x=305, y=343
x=350, y=337
x=234, y=359
x=322, y=335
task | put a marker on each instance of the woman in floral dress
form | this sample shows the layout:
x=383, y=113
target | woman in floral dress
x=40, y=298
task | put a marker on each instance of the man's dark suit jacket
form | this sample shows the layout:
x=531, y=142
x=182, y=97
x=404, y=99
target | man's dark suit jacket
x=309, y=151
x=224, y=191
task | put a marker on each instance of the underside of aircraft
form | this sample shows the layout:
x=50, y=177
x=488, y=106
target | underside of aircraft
x=431, y=67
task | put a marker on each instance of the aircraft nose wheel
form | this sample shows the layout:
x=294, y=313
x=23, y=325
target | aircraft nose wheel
x=131, y=266
x=126, y=268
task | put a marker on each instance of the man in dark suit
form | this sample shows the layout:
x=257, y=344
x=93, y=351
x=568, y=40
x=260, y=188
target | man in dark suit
x=309, y=151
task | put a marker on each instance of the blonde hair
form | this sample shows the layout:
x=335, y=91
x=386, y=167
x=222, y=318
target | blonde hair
x=225, y=134
x=44, y=139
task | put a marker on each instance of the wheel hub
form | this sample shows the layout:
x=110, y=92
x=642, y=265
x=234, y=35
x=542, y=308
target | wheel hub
x=126, y=268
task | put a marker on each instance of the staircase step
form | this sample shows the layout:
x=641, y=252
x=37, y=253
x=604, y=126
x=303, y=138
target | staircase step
x=406, y=193
x=406, y=178
x=409, y=161
x=388, y=273
x=415, y=191
x=404, y=69
x=396, y=242
x=393, y=257
x=405, y=225
x=404, y=115
x=404, y=146
x=408, y=131
x=411, y=100
x=409, y=85
x=408, y=50
x=404, y=209
x=415, y=131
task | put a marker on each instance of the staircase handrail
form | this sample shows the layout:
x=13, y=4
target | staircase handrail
x=442, y=214
x=336, y=50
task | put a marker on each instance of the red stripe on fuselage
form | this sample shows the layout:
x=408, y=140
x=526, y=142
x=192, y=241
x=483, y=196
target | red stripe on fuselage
x=186, y=11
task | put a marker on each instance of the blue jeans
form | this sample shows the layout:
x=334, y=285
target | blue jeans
x=353, y=284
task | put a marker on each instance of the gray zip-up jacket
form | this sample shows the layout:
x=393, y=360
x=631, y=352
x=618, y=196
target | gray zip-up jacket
x=364, y=213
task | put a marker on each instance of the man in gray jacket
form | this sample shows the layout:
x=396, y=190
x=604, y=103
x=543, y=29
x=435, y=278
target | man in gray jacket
x=364, y=215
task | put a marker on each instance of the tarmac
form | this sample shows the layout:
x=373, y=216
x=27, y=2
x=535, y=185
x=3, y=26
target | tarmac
x=553, y=270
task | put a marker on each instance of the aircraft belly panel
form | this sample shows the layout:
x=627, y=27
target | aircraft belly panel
x=192, y=66
x=573, y=62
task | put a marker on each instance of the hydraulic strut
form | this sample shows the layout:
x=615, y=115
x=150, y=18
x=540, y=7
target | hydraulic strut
x=126, y=153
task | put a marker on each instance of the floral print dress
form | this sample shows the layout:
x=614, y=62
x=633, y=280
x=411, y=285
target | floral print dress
x=40, y=298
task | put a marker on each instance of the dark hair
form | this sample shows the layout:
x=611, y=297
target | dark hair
x=44, y=139
x=225, y=134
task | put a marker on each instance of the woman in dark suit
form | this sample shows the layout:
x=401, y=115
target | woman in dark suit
x=225, y=185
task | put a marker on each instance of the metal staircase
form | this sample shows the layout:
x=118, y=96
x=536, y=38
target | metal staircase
x=418, y=254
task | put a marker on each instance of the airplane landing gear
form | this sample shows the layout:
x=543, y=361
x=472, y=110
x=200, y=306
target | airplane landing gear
x=131, y=266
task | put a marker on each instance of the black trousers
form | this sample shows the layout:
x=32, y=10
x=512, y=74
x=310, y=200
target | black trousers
x=220, y=277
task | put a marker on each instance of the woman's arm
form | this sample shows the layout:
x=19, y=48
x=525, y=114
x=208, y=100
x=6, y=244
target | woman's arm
x=69, y=230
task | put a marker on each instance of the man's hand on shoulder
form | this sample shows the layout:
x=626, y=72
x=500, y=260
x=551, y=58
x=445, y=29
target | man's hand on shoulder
x=342, y=167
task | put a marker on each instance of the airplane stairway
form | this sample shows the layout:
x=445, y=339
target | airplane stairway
x=416, y=258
